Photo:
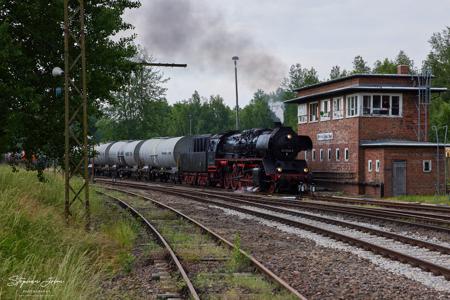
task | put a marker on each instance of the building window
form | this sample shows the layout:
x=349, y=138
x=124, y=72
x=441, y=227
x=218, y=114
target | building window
x=321, y=155
x=395, y=107
x=427, y=166
x=369, y=165
x=338, y=154
x=377, y=165
x=313, y=112
x=329, y=154
x=302, y=113
x=352, y=106
x=387, y=105
x=346, y=154
x=314, y=154
x=325, y=110
x=338, y=108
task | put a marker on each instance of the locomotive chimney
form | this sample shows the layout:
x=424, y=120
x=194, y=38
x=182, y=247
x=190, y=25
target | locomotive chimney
x=402, y=69
x=277, y=124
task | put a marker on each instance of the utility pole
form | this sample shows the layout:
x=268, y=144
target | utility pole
x=75, y=108
x=235, y=59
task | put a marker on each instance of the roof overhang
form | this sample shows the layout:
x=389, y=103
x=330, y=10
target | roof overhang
x=399, y=143
x=363, y=88
x=360, y=75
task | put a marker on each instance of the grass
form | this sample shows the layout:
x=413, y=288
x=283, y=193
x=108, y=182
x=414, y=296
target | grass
x=36, y=244
x=432, y=199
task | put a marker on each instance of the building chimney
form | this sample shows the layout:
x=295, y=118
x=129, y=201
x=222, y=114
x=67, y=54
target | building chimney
x=402, y=69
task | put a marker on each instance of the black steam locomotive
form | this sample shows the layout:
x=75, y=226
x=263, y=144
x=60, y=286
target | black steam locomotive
x=262, y=158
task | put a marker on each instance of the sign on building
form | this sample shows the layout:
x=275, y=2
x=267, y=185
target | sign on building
x=326, y=136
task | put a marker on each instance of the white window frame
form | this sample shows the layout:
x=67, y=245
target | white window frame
x=302, y=118
x=329, y=154
x=325, y=115
x=321, y=154
x=340, y=113
x=347, y=105
x=313, y=155
x=346, y=154
x=369, y=166
x=377, y=166
x=317, y=112
x=429, y=163
x=338, y=154
x=391, y=95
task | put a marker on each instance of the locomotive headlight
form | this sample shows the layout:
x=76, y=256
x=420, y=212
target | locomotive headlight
x=305, y=170
x=279, y=170
x=289, y=136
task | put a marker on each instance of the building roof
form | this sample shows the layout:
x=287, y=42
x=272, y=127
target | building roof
x=365, y=87
x=399, y=143
x=358, y=76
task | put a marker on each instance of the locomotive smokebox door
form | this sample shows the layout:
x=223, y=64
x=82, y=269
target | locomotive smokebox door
x=256, y=176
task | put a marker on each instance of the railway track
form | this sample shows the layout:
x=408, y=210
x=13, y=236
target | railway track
x=398, y=217
x=385, y=203
x=428, y=256
x=193, y=293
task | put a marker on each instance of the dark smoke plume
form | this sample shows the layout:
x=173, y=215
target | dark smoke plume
x=182, y=29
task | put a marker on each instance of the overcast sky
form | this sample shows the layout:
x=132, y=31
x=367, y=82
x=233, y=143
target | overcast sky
x=269, y=36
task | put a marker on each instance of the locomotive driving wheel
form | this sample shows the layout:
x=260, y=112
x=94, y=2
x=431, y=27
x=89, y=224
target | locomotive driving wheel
x=271, y=187
x=236, y=175
x=227, y=180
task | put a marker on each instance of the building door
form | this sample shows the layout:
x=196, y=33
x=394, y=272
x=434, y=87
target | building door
x=399, y=178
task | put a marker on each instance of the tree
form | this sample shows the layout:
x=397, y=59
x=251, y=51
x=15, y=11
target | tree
x=140, y=105
x=31, y=45
x=385, y=67
x=403, y=59
x=438, y=61
x=257, y=113
x=336, y=73
x=298, y=77
x=360, y=66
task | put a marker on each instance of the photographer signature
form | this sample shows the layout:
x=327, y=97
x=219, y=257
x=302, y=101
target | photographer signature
x=20, y=281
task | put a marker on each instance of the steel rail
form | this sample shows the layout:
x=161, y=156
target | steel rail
x=333, y=208
x=412, y=206
x=386, y=252
x=161, y=239
x=221, y=239
x=390, y=235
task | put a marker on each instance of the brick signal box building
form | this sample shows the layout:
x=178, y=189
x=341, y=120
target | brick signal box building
x=369, y=134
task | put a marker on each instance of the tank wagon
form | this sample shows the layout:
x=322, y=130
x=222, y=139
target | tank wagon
x=261, y=159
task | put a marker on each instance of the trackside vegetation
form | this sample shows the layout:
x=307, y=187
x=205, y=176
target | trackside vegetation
x=41, y=256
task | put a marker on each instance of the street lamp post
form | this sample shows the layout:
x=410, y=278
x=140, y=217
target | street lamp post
x=235, y=59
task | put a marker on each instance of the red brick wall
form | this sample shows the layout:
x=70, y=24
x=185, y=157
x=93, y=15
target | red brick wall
x=417, y=182
x=401, y=128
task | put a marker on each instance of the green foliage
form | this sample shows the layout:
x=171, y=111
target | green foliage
x=385, y=67
x=336, y=72
x=257, y=114
x=360, y=66
x=388, y=66
x=31, y=45
x=298, y=77
x=238, y=261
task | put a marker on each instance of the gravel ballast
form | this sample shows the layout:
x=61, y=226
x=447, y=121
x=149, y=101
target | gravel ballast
x=318, y=270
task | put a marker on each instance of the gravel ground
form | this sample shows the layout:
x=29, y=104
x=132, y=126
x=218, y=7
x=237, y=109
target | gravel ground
x=317, y=269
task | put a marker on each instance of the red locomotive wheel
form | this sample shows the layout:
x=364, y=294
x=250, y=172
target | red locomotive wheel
x=227, y=181
x=235, y=182
x=271, y=188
